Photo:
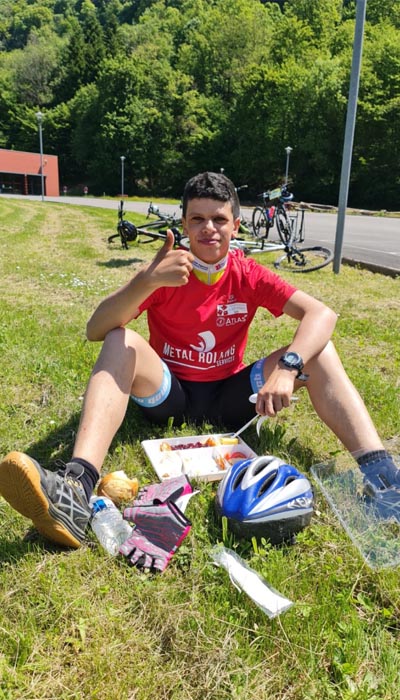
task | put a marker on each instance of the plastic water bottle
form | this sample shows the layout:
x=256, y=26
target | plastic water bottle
x=108, y=524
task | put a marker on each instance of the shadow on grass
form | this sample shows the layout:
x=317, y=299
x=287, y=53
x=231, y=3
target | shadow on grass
x=10, y=551
x=211, y=532
x=57, y=444
x=30, y=542
x=116, y=262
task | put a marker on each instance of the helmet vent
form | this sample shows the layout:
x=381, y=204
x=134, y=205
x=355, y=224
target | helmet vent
x=258, y=467
x=289, y=480
x=238, y=479
x=267, y=483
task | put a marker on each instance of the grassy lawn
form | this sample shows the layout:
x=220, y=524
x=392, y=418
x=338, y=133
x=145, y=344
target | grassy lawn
x=78, y=624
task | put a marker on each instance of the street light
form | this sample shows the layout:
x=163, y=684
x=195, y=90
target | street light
x=39, y=117
x=122, y=175
x=288, y=150
x=349, y=131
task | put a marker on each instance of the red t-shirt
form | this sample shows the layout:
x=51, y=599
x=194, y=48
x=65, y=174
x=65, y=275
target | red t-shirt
x=201, y=330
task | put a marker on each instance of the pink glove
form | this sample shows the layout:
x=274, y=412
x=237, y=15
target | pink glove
x=159, y=531
x=167, y=490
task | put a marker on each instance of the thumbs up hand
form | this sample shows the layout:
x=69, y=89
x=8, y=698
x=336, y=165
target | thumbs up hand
x=168, y=243
x=170, y=268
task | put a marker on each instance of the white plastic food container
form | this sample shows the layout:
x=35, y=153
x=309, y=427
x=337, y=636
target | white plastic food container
x=205, y=457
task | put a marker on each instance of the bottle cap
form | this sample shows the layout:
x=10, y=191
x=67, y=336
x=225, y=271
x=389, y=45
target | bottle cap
x=99, y=505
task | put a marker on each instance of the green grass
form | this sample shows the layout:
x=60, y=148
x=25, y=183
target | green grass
x=77, y=624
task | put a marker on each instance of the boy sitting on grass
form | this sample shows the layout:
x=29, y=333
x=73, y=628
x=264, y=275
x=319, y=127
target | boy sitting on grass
x=200, y=304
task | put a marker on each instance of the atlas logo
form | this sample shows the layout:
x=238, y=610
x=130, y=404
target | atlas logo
x=231, y=314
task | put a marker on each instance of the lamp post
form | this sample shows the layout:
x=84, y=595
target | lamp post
x=349, y=131
x=122, y=175
x=39, y=117
x=288, y=150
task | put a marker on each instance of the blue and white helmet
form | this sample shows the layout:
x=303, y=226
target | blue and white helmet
x=265, y=497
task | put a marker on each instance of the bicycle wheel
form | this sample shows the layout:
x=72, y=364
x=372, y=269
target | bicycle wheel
x=284, y=225
x=304, y=259
x=260, y=223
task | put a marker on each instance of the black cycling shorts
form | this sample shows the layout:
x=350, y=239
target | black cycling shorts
x=224, y=403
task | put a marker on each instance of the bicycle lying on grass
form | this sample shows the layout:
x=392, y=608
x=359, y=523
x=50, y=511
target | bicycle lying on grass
x=164, y=218
x=245, y=228
x=129, y=233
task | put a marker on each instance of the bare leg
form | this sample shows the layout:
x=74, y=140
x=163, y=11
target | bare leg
x=126, y=364
x=336, y=401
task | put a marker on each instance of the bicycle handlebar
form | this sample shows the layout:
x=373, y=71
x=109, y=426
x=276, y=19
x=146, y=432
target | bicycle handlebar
x=281, y=193
x=153, y=209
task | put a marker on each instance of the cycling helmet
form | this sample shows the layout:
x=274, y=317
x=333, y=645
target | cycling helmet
x=129, y=231
x=286, y=196
x=264, y=497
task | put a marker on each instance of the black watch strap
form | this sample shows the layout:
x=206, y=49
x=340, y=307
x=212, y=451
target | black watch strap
x=302, y=376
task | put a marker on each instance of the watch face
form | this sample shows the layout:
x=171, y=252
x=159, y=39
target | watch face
x=292, y=359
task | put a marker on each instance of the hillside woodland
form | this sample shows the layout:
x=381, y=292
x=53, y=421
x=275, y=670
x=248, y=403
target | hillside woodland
x=178, y=86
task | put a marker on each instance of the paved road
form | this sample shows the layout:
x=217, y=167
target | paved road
x=372, y=241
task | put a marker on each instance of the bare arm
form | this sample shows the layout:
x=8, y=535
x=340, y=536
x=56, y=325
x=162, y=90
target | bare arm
x=169, y=268
x=316, y=325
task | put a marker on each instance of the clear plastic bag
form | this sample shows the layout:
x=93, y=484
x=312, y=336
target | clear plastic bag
x=246, y=579
x=376, y=538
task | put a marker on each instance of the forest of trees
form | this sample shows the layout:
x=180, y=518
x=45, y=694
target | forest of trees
x=179, y=86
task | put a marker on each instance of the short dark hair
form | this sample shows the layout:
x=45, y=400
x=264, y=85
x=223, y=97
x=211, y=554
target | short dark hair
x=211, y=186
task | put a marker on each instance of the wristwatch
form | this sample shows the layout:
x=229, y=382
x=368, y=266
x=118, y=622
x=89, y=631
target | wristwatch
x=292, y=360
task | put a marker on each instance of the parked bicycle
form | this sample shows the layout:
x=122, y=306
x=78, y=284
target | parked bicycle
x=274, y=211
x=291, y=229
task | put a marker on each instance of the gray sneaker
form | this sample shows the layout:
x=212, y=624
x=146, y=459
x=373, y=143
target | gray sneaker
x=382, y=487
x=56, y=504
